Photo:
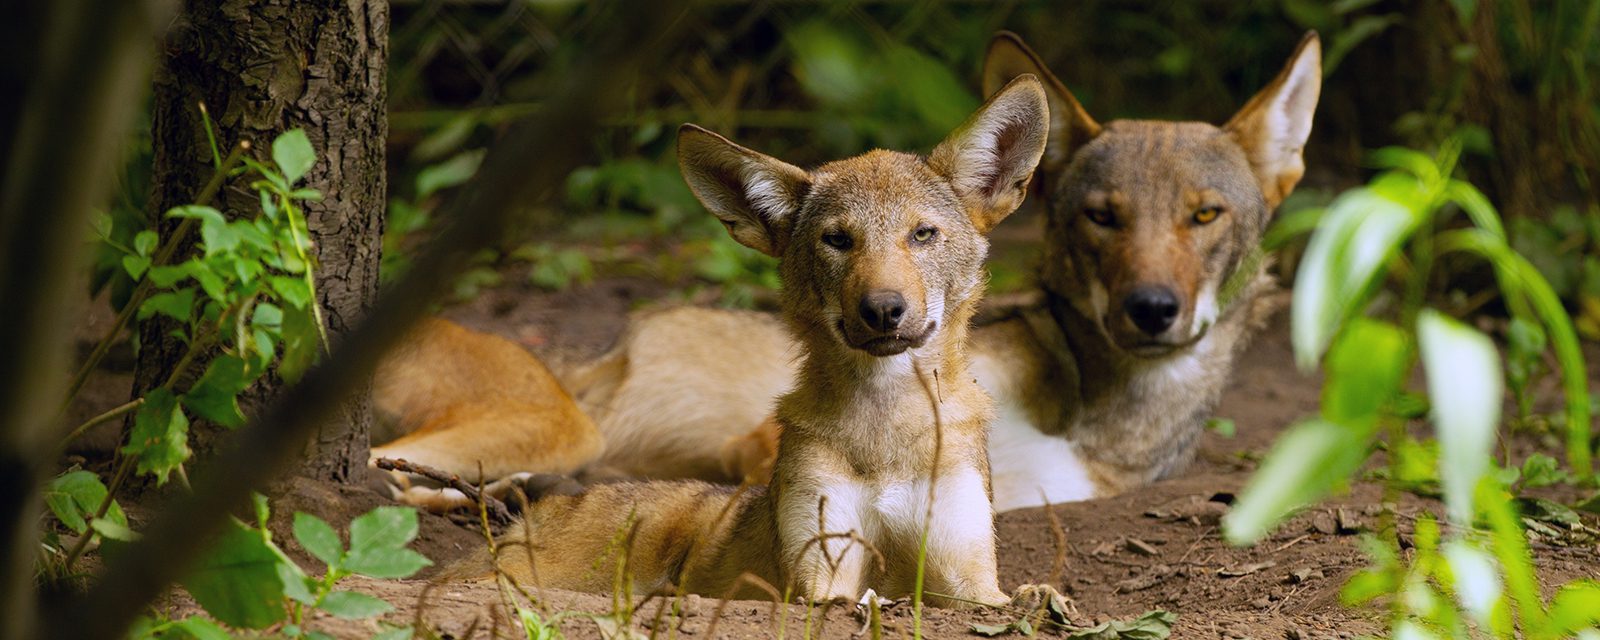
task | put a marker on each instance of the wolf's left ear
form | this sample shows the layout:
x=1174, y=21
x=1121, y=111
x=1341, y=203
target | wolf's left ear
x=1273, y=126
x=991, y=157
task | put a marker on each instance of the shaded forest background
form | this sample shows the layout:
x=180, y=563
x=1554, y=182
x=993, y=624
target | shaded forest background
x=1513, y=81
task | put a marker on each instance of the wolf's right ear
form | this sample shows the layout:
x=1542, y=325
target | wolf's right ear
x=1070, y=126
x=991, y=157
x=754, y=195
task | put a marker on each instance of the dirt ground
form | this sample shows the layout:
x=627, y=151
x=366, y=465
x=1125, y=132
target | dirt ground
x=1155, y=548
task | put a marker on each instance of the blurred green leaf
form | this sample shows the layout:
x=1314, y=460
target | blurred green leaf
x=318, y=538
x=293, y=154
x=145, y=242
x=1357, y=236
x=352, y=605
x=378, y=542
x=237, y=579
x=451, y=173
x=74, y=496
x=829, y=63
x=1308, y=460
x=1475, y=579
x=160, y=435
x=201, y=629
x=1464, y=380
x=215, y=396
x=1364, y=370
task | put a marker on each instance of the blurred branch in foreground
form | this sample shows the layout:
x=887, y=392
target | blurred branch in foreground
x=530, y=162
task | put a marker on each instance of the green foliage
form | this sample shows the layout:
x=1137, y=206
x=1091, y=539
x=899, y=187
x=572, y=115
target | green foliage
x=75, y=497
x=247, y=582
x=1153, y=625
x=1480, y=576
x=248, y=295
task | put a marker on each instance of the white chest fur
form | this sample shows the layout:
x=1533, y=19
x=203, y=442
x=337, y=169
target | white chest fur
x=1029, y=468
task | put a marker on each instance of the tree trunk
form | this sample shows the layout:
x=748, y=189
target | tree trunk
x=263, y=67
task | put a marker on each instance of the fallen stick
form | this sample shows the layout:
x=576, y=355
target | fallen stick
x=497, y=509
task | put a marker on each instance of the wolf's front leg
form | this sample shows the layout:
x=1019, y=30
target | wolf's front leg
x=961, y=551
x=820, y=529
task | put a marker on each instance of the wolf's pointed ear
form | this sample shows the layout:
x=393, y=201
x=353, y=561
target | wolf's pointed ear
x=1273, y=126
x=989, y=159
x=1070, y=126
x=754, y=195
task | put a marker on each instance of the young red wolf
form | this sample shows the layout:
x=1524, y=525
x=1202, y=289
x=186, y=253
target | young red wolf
x=881, y=258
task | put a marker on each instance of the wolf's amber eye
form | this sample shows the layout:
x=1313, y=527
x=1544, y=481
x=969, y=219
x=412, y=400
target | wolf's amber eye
x=837, y=239
x=924, y=234
x=1206, y=214
x=1099, y=216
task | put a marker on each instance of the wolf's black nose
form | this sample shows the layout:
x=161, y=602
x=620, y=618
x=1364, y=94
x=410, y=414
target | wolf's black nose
x=882, y=310
x=1152, y=309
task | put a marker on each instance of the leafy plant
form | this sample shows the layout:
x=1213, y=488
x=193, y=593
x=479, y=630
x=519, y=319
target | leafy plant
x=247, y=582
x=247, y=295
x=1472, y=578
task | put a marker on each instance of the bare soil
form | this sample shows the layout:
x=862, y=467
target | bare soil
x=1155, y=548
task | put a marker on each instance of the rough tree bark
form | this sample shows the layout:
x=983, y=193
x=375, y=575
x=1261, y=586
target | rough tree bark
x=263, y=67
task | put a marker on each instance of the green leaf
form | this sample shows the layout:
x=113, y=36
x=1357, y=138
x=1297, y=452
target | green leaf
x=206, y=215
x=1540, y=470
x=1476, y=580
x=1463, y=371
x=201, y=629
x=111, y=530
x=237, y=580
x=1153, y=625
x=168, y=275
x=297, y=585
x=450, y=173
x=1519, y=279
x=1305, y=464
x=145, y=242
x=173, y=304
x=397, y=633
x=1222, y=426
x=215, y=396
x=1575, y=607
x=219, y=237
x=378, y=541
x=352, y=605
x=318, y=538
x=267, y=316
x=294, y=291
x=102, y=224
x=535, y=627
x=209, y=281
x=135, y=265
x=269, y=206
x=160, y=436
x=985, y=630
x=1365, y=368
x=1477, y=207
x=73, y=496
x=300, y=343
x=293, y=154
x=1356, y=238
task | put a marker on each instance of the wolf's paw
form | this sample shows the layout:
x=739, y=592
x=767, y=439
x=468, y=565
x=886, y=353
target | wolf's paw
x=1033, y=598
x=536, y=486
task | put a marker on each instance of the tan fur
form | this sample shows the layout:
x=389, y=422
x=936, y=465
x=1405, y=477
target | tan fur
x=880, y=410
x=457, y=393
